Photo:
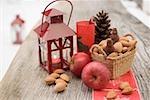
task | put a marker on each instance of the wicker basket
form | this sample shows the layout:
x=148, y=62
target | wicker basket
x=117, y=65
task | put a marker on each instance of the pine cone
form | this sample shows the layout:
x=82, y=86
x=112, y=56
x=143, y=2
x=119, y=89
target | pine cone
x=102, y=28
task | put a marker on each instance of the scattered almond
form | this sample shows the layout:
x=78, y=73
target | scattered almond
x=59, y=71
x=111, y=95
x=59, y=87
x=54, y=75
x=49, y=80
x=60, y=81
x=64, y=77
x=127, y=90
x=122, y=85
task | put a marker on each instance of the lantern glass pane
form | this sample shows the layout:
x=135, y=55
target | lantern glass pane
x=66, y=51
x=43, y=46
x=17, y=31
x=55, y=54
x=47, y=19
x=66, y=54
x=54, y=46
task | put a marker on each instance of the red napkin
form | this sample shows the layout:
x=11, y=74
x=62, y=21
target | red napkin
x=113, y=84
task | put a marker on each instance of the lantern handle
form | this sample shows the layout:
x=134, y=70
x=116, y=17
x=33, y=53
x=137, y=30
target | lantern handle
x=52, y=3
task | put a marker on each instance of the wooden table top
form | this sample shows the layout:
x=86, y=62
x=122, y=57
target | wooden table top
x=24, y=78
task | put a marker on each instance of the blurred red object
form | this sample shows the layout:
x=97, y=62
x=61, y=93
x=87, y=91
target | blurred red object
x=85, y=34
x=17, y=26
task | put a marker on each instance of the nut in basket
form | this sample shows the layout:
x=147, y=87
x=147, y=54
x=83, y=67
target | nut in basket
x=118, y=56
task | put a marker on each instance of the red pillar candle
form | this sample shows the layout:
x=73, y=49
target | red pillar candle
x=85, y=34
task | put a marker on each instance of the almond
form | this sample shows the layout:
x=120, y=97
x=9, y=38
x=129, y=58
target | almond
x=118, y=46
x=132, y=44
x=95, y=53
x=60, y=81
x=124, y=39
x=114, y=54
x=65, y=77
x=103, y=43
x=59, y=87
x=111, y=95
x=59, y=71
x=125, y=43
x=95, y=50
x=120, y=54
x=49, y=80
x=54, y=75
x=124, y=49
x=122, y=85
x=127, y=90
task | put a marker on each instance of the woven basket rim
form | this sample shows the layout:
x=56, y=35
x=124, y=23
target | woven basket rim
x=118, y=57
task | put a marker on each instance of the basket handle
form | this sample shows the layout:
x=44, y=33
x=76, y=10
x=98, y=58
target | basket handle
x=129, y=35
x=99, y=48
x=54, y=2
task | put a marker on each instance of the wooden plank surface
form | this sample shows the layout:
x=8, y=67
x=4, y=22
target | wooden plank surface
x=24, y=79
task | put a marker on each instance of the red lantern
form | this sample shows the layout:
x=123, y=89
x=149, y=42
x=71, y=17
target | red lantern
x=17, y=26
x=54, y=39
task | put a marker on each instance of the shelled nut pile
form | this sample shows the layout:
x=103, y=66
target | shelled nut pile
x=59, y=78
x=108, y=48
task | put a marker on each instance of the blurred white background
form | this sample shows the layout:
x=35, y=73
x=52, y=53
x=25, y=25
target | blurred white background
x=30, y=11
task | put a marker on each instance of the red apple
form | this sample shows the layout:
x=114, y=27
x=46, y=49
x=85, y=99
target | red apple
x=78, y=62
x=96, y=75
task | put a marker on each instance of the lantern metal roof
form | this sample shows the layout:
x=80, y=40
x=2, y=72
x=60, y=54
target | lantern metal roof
x=17, y=21
x=52, y=12
x=54, y=31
